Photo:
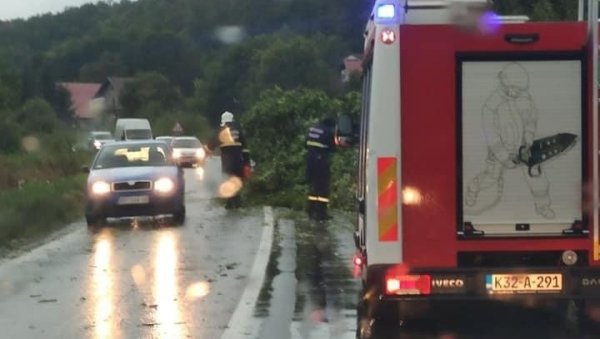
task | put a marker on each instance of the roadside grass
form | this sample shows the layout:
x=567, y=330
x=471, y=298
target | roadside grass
x=19, y=169
x=38, y=208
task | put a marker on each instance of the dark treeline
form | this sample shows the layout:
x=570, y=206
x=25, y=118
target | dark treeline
x=216, y=47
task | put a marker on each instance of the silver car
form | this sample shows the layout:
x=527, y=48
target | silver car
x=134, y=178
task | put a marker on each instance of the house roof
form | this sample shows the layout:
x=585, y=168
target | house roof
x=116, y=83
x=81, y=95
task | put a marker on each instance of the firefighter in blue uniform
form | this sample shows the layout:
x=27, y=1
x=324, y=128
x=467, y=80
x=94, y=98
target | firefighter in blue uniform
x=320, y=144
x=234, y=154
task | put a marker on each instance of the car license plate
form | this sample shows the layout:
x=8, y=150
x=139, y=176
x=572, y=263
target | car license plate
x=523, y=283
x=134, y=200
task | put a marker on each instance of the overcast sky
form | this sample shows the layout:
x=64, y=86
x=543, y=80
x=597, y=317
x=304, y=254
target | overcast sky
x=13, y=9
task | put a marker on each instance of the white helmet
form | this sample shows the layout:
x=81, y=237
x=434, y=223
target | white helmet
x=226, y=117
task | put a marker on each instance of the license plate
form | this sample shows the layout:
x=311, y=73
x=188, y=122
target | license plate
x=523, y=283
x=134, y=200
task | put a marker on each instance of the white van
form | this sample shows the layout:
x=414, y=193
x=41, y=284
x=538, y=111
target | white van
x=133, y=129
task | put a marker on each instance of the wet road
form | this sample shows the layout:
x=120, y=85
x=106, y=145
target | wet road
x=311, y=292
x=199, y=281
x=137, y=281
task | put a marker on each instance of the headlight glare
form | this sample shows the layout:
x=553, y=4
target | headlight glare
x=176, y=154
x=200, y=153
x=164, y=185
x=100, y=188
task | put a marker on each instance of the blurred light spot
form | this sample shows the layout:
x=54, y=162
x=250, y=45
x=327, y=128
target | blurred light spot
x=198, y=290
x=138, y=274
x=230, y=187
x=30, y=144
x=230, y=34
x=411, y=196
x=593, y=312
x=200, y=173
x=489, y=22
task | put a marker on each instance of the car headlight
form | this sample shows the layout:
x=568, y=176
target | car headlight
x=100, y=188
x=200, y=153
x=176, y=154
x=97, y=144
x=164, y=185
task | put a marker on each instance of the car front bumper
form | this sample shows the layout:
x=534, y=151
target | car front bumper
x=134, y=204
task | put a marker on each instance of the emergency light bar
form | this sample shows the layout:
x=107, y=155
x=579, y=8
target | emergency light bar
x=386, y=11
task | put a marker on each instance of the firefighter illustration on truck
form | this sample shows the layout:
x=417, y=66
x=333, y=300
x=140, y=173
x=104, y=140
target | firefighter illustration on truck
x=509, y=123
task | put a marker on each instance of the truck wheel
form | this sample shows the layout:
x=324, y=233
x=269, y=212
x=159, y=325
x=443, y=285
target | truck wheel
x=364, y=324
x=374, y=315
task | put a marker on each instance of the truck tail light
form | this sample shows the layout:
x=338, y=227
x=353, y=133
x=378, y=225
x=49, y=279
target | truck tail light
x=358, y=260
x=408, y=285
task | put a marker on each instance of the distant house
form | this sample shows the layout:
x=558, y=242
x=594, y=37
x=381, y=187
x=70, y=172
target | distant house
x=109, y=93
x=352, y=65
x=82, y=96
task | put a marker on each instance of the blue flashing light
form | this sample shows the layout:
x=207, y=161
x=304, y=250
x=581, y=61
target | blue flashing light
x=387, y=11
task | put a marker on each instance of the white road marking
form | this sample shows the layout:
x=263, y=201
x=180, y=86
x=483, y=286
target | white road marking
x=242, y=323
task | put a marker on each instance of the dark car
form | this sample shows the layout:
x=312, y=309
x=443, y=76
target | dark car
x=134, y=178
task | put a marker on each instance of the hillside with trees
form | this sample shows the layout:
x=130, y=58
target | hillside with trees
x=190, y=60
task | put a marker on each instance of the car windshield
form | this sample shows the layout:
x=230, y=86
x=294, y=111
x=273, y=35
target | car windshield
x=132, y=156
x=138, y=134
x=186, y=143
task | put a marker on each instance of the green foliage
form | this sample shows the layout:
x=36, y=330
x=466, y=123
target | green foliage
x=539, y=10
x=53, y=159
x=149, y=95
x=37, y=115
x=109, y=64
x=10, y=140
x=276, y=126
x=10, y=88
x=192, y=123
x=40, y=207
x=285, y=60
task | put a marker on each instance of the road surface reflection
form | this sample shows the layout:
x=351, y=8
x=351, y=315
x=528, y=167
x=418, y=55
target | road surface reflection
x=166, y=289
x=102, y=287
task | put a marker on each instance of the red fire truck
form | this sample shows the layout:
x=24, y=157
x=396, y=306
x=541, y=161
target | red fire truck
x=478, y=159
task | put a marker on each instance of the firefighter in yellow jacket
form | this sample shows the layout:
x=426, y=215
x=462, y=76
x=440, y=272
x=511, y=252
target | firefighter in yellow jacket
x=234, y=154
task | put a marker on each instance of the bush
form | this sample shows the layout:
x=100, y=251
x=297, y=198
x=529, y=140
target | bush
x=275, y=127
x=40, y=207
x=54, y=158
x=10, y=139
